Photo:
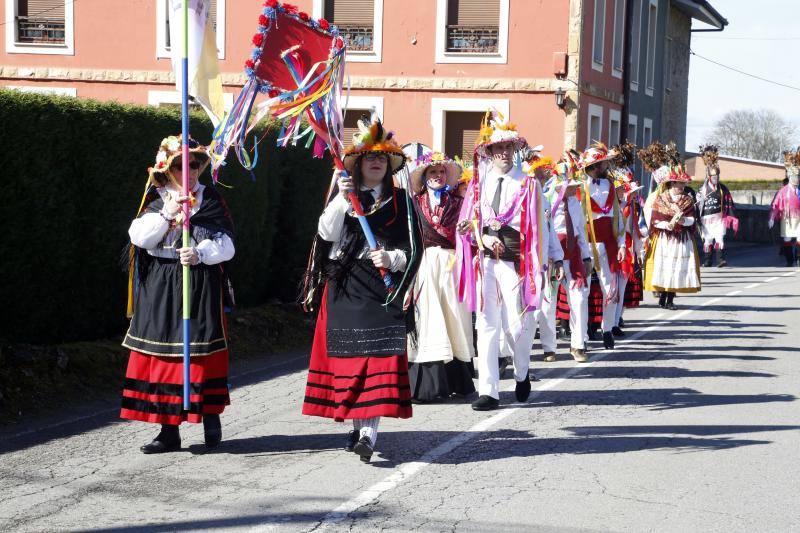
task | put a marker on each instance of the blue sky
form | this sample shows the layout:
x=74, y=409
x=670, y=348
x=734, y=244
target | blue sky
x=762, y=38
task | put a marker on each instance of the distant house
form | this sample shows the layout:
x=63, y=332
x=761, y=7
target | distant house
x=736, y=168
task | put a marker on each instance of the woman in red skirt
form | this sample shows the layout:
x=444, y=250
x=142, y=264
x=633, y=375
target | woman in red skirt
x=359, y=367
x=153, y=389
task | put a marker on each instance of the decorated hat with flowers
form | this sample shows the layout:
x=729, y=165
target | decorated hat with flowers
x=452, y=169
x=596, y=153
x=496, y=129
x=791, y=160
x=170, y=153
x=373, y=138
x=710, y=155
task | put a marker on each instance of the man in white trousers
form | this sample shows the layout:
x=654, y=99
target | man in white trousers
x=503, y=311
x=569, y=225
x=605, y=232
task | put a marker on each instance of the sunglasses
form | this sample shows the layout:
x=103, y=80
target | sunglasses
x=193, y=164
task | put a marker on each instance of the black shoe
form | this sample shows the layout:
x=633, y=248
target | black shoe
x=503, y=365
x=168, y=440
x=485, y=403
x=352, y=439
x=212, y=430
x=670, y=303
x=707, y=262
x=608, y=340
x=621, y=322
x=592, y=334
x=363, y=449
x=617, y=332
x=662, y=300
x=523, y=390
x=723, y=261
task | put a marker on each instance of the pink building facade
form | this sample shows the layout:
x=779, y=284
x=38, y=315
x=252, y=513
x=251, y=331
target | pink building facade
x=428, y=68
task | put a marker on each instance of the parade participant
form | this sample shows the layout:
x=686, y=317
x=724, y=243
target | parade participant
x=716, y=211
x=786, y=209
x=627, y=194
x=440, y=356
x=605, y=232
x=672, y=263
x=569, y=226
x=359, y=367
x=504, y=210
x=153, y=389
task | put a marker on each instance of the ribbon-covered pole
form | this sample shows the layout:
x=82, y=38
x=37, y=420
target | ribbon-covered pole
x=186, y=206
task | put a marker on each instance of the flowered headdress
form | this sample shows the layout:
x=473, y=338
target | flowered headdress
x=375, y=139
x=169, y=153
x=429, y=160
x=791, y=160
x=497, y=129
x=710, y=155
x=597, y=153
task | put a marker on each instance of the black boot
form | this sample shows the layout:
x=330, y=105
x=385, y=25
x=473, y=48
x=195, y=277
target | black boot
x=617, y=331
x=523, y=390
x=709, y=258
x=364, y=449
x=212, y=430
x=608, y=340
x=722, y=259
x=168, y=440
x=662, y=300
x=352, y=440
x=592, y=333
x=670, y=302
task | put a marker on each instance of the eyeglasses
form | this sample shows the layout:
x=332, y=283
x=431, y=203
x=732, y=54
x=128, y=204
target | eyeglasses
x=193, y=164
x=375, y=157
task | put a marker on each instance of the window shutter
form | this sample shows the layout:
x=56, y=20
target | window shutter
x=51, y=9
x=461, y=133
x=212, y=14
x=473, y=13
x=350, y=12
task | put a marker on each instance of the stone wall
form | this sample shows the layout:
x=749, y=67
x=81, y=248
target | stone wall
x=753, y=221
x=676, y=78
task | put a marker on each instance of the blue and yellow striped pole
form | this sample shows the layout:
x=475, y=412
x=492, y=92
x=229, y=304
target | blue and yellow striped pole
x=186, y=208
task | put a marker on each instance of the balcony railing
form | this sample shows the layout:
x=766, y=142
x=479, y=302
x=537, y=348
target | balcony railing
x=473, y=39
x=359, y=38
x=40, y=30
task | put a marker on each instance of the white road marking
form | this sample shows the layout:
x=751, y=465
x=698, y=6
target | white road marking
x=753, y=285
x=734, y=293
x=407, y=470
x=770, y=279
x=788, y=274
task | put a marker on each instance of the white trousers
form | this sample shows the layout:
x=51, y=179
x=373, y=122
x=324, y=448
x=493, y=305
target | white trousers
x=607, y=283
x=622, y=281
x=578, y=314
x=502, y=316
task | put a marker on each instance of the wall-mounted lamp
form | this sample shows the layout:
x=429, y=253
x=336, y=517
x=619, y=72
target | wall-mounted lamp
x=561, y=98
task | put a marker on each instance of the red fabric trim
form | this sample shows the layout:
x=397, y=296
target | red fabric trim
x=604, y=231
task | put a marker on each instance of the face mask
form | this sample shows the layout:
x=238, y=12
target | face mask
x=794, y=180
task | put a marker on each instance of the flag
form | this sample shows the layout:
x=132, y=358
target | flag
x=205, y=82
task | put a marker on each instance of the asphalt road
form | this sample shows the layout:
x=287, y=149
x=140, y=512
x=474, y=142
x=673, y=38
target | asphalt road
x=691, y=424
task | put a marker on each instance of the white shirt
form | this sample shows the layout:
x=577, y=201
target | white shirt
x=152, y=232
x=599, y=192
x=512, y=183
x=331, y=227
x=578, y=224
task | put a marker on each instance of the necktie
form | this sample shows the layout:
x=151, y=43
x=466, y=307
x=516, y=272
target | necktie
x=366, y=199
x=497, y=194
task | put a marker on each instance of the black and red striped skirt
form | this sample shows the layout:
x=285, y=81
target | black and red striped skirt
x=562, y=304
x=595, y=302
x=354, y=387
x=633, y=290
x=153, y=390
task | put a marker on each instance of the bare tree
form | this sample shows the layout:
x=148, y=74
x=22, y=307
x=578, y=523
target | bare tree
x=761, y=134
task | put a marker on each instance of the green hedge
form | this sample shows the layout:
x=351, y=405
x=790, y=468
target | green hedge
x=74, y=172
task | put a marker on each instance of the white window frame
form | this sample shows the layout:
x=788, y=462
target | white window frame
x=376, y=54
x=615, y=115
x=647, y=124
x=633, y=120
x=636, y=46
x=58, y=91
x=13, y=47
x=619, y=37
x=442, y=56
x=373, y=104
x=594, y=111
x=651, y=49
x=598, y=65
x=161, y=29
x=156, y=98
x=440, y=106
